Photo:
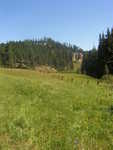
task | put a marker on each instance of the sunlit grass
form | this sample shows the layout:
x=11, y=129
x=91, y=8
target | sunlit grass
x=55, y=111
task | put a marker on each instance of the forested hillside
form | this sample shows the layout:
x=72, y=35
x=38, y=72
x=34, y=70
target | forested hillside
x=32, y=53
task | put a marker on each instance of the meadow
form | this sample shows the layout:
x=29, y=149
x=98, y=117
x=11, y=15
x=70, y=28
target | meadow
x=55, y=111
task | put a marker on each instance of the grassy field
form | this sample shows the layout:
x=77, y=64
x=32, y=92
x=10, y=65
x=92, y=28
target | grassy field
x=40, y=111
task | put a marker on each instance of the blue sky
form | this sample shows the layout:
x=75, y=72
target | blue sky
x=76, y=21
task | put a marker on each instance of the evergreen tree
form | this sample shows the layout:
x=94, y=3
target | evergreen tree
x=32, y=53
x=105, y=49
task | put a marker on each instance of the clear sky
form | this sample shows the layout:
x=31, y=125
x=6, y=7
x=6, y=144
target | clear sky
x=76, y=21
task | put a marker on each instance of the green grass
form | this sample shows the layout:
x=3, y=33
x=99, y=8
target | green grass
x=40, y=111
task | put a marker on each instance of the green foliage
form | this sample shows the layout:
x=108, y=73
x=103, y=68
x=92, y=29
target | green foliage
x=92, y=65
x=96, y=63
x=105, y=49
x=60, y=111
x=32, y=53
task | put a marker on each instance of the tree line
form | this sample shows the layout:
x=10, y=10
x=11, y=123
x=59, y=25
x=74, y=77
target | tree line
x=98, y=62
x=33, y=53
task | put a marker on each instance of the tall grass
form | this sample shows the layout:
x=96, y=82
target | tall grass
x=40, y=111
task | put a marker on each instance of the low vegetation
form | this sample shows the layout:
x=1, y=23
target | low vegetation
x=54, y=111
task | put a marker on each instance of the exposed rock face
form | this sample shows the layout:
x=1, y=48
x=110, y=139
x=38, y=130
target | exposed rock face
x=77, y=57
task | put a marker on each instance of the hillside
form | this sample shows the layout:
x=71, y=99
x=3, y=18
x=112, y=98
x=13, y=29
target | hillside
x=29, y=54
x=40, y=111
